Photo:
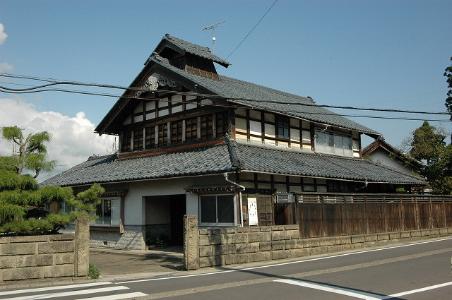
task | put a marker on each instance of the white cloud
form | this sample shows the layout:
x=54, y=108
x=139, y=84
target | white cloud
x=6, y=67
x=3, y=34
x=73, y=138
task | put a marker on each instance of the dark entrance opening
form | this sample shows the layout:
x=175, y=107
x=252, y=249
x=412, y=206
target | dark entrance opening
x=177, y=208
x=164, y=220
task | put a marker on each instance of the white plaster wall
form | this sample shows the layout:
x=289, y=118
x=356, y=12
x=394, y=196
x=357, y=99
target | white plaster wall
x=384, y=159
x=134, y=203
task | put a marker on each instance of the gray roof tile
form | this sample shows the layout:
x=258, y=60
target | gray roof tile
x=253, y=95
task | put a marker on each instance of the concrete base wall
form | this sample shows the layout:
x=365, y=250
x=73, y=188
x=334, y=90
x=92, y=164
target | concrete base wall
x=131, y=238
x=251, y=244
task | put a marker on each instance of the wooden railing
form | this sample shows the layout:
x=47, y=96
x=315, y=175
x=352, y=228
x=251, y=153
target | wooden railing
x=347, y=214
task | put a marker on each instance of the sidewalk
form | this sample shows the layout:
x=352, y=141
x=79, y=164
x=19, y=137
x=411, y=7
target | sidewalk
x=114, y=263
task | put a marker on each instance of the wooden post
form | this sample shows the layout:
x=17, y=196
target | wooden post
x=430, y=219
x=401, y=216
x=385, y=211
x=322, y=221
x=366, y=214
x=445, y=214
x=417, y=214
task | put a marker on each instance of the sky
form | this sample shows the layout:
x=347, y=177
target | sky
x=386, y=54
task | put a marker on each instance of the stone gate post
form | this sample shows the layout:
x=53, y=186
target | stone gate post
x=191, y=240
x=81, y=255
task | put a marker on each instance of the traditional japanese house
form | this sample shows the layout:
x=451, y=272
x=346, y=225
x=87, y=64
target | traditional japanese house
x=195, y=142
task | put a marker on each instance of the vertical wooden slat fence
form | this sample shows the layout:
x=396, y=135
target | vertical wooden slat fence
x=321, y=215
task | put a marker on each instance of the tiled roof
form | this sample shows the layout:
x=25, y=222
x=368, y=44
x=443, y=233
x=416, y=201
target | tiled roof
x=106, y=169
x=253, y=95
x=288, y=162
x=228, y=158
x=195, y=49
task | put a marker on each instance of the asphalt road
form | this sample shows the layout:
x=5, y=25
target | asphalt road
x=419, y=270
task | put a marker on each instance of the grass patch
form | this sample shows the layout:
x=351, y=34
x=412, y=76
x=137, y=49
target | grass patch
x=93, y=272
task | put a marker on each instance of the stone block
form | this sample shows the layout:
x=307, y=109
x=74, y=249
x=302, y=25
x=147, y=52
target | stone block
x=7, y=262
x=210, y=261
x=47, y=259
x=299, y=252
x=205, y=240
x=268, y=228
x=260, y=256
x=333, y=248
x=291, y=244
x=382, y=236
x=30, y=238
x=247, y=247
x=240, y=238
x=443, y=231
x=255, y=237
x=278, y=235
x=357, y=239
x=313, y=242
x=4, y=240
x=224, y=249
x=63, y=258
x=415, y=233
x=242, y=258
x=62, y=237
x=206, y=251
x=278, y=245
x=405, y=235
x=265, y=246
x=25, y=261
x=254, y=229
x=291, y=227
x=371, y=237
x=23, y=273
x=394, y=235
x=293, y=234
x=56, y=247
x=318, y=250
x=280, y=254
x=203, y=231
x=277, y=228
x=449, y=230
x=327, y=241
x=17, y=249
x=59, y=271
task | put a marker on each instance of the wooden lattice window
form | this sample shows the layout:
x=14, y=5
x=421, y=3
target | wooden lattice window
x=282, y=127
x=191, y=129
x=149, y=137
x=206, y=127
x=126, y=141
x=138, y=139
x=221, y=123
x=176, y=132
x=163, y=134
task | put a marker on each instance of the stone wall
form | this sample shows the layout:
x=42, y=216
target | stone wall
x=45, y=256
x=132, y=238
x=226, y=246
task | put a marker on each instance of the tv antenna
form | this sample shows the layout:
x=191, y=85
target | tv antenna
x=212, y=28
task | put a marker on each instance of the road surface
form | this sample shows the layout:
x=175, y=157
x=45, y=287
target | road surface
x=420, y=270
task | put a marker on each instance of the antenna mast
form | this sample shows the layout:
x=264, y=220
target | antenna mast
x=212, y=28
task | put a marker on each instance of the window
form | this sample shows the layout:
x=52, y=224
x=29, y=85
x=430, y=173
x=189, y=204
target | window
x=222, y=123
x=107, y=212
x=126, y=141
x=138, y=139
x=282, y=128
x=163, y=134
x=206, y=127
x=217, y=209
x=331, y=143
x=191, y=129
x=149, y=137
x=176, y=132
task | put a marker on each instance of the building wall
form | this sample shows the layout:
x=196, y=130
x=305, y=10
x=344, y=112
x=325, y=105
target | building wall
x=383, y=158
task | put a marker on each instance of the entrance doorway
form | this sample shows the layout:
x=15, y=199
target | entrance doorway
x=164, y=220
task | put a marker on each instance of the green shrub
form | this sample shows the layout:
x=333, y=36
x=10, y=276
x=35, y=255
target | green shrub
x=93, y=272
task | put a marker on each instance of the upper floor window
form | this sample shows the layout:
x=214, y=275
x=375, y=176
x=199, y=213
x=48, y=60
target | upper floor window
x=126, y=141
x=176, y=132
x=221, y=123
x=149, y=137
x=332, y=143
x=206, y=127
x=191, y=129
x=138, y=139
x=163, y=134
x=282, y=127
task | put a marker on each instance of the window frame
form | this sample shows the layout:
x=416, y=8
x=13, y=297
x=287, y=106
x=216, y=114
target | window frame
x=118, y=216
x=280, y=120
x=234, y=198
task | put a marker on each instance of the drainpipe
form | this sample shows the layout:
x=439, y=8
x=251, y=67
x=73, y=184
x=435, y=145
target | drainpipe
x=241, y=188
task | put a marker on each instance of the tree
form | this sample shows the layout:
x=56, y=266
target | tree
x=428, y=145
x=23, y=204
x=29, y=152
x=448, y=75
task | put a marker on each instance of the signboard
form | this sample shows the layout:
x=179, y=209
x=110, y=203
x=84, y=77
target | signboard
x=252, y=212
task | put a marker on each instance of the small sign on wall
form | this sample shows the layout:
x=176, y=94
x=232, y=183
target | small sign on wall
x=252, y=212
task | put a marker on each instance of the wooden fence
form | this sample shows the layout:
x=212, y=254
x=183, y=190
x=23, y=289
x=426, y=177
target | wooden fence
x=327, y=214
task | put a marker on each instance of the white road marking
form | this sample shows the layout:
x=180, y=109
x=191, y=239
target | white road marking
x=70, y=293
x=54, y=288
x=327, y=288
x=285, y=263
x=117, y=297
x=424, y=289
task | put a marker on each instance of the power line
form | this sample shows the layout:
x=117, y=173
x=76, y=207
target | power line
x=218, y=105
x=251, y=30
x=54, y=82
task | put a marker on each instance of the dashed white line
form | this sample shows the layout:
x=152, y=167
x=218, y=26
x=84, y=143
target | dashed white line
x=330, y=289
x=70, y=293
x=54, y=288
x=424, y=289
x=117, y=297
